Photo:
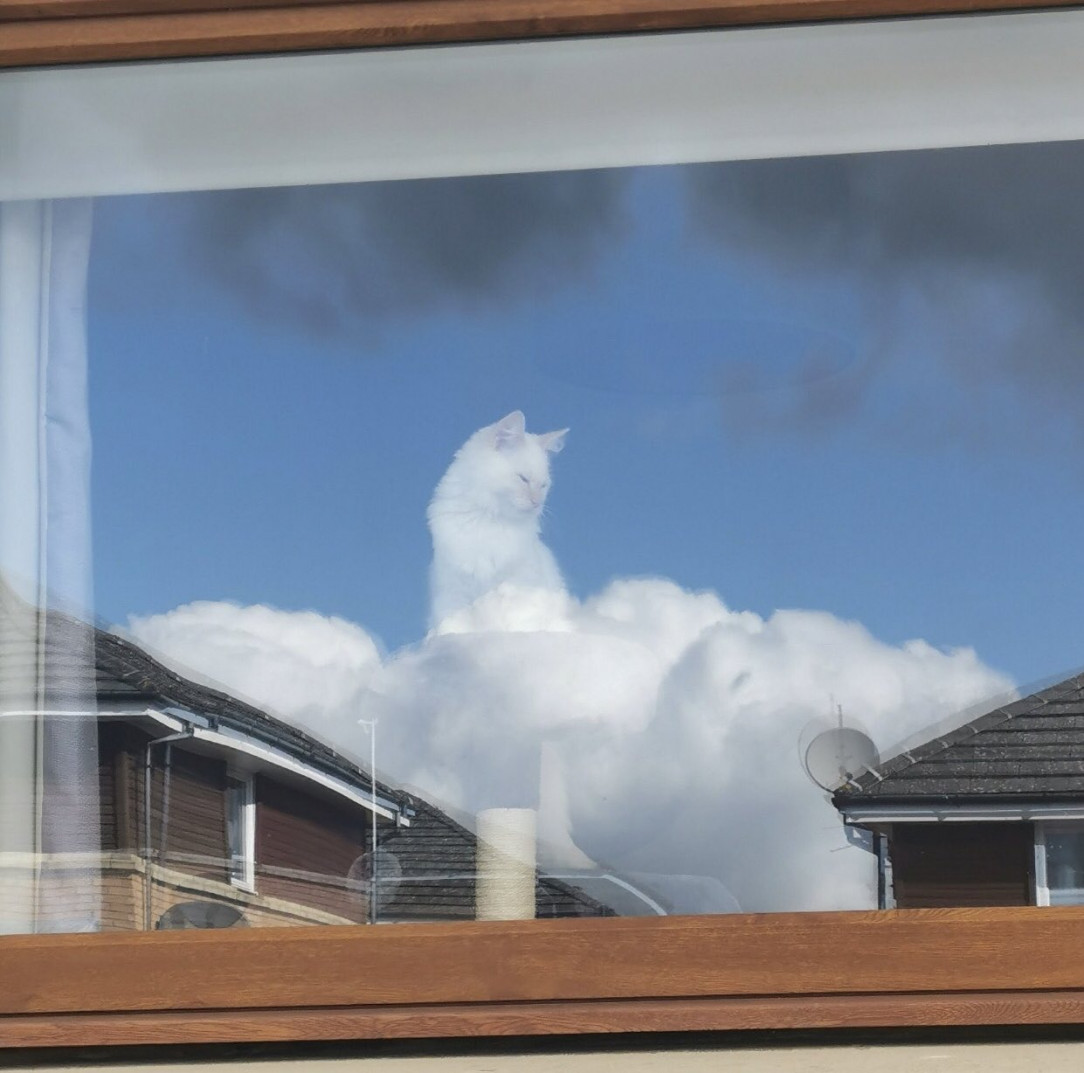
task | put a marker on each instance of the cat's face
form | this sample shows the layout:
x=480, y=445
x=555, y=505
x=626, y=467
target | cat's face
x=525, y=475
x=517, y=464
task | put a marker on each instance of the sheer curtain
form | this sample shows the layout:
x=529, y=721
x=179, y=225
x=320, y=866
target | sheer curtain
x=49, y=839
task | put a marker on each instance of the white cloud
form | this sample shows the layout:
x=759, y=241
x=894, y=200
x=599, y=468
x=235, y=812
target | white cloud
x=297, y=664
x=674, y=721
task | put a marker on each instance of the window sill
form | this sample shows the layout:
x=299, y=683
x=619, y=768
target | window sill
x=814, y=970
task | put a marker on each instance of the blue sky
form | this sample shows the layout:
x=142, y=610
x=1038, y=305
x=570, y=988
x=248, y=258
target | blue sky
x=812, y=411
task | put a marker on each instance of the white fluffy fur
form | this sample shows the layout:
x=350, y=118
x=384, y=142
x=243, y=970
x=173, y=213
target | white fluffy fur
x=484, y=517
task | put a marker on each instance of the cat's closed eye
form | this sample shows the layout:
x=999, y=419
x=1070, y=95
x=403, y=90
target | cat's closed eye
x=525, y=479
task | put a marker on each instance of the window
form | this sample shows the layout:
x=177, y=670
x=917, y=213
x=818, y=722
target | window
x=829, y=137
x=241, y=830
x=1059, y=864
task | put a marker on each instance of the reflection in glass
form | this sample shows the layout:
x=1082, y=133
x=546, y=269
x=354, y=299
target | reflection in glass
x=498, y=546
x=1065, y=865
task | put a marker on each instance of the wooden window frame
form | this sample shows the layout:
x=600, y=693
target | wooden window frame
x=809, y=970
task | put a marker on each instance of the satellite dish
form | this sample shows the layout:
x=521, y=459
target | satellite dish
x=814, y=727
x=201, y=915
x=387, y=872
x=838, y=755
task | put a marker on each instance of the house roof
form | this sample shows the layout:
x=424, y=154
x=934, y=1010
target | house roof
x=76, y=663
x=437, y=857
x=1031, y=750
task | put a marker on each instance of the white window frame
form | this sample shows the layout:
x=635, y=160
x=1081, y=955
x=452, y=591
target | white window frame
x=1042, y=873
x=1040, y=888
x=242, y=866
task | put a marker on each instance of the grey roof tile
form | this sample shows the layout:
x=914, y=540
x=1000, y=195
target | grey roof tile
x=1030, y=749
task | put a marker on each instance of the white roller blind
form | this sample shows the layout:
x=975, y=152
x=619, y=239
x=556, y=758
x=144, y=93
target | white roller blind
x=528, y=106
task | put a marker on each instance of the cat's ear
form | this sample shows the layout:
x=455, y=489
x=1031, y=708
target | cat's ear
x=553, y=441
x=508, y=432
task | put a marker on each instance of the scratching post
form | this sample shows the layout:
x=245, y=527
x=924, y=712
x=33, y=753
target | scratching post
x=506, y=864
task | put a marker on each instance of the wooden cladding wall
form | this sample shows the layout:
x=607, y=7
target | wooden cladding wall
x=195, y=826
x=82, y=31
x=961, y=864
x=117, y=746
x=187, y=803
x=305, y=847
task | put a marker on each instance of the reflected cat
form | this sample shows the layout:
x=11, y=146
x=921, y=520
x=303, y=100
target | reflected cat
x=484, y=517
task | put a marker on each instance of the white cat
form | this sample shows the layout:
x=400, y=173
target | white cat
x=484, y=517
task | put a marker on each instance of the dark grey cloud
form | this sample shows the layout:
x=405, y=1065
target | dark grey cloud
x=338, y=259
x=981, y=250
x=1007, y=208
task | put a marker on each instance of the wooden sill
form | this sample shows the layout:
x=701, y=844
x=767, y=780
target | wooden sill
x=790, y=970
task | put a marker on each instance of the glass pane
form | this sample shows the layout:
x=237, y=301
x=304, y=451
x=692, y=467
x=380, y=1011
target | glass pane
x=616, y=519
x=1065, y=866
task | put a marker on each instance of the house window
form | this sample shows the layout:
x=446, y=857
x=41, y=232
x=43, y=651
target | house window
x=1059, y=864
x=712, y=336
x=830, y=135
x=241, y=830
x=738, y=332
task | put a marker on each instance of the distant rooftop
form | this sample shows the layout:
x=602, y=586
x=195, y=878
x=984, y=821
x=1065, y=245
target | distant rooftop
x=71, y=659
x=1029, y=750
